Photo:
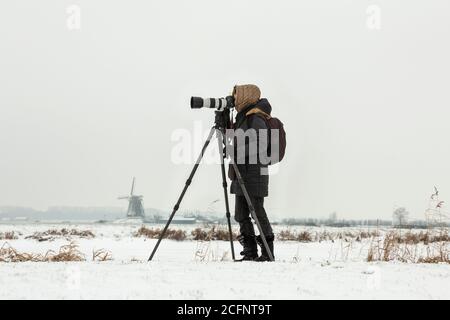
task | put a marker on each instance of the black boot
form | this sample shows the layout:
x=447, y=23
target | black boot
x=250, y=251
x=264, y=255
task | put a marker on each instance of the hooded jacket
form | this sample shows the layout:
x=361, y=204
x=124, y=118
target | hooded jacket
x=251, y=116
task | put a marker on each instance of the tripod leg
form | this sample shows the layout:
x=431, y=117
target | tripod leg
x=252, y=209
x=188, y=182
x=225, y=191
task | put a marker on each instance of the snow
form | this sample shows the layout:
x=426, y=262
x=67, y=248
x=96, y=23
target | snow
x=326, y=270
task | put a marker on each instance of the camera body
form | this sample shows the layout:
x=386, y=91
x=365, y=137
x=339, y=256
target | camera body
x=220, y=104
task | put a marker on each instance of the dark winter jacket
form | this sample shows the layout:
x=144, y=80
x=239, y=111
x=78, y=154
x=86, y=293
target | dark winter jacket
x=255, y=175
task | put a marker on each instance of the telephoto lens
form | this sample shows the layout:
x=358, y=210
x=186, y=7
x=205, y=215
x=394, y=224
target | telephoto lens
x=214, y=103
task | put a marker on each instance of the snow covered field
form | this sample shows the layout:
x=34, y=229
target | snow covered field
x=316, y=270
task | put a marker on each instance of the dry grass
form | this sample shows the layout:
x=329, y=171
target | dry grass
x=66, y=253
x=436, y=254
x=9, y=235
x=325, y=235
x=221, y=233
x=206, y=252
x=423, y=247
x=9, y=254
x=101, y=255
x=288, y=235
x=424, y=237
x=213, y=233
x=52, y=234
x=206, y=233
x=178, y=235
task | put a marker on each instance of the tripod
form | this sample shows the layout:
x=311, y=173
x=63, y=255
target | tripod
x=222, y=122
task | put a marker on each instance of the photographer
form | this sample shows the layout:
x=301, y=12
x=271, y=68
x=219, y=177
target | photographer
x=251, y=118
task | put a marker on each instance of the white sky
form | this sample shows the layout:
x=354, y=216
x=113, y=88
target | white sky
x=366, y=112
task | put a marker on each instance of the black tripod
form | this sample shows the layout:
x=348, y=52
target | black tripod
x=222, y=122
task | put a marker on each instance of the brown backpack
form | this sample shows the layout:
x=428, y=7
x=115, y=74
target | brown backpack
x=276, y=124
x=272, y=123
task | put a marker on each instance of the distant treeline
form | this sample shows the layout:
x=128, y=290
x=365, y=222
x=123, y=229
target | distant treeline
x=350, y=223
x=69, y=213
x=152, y=214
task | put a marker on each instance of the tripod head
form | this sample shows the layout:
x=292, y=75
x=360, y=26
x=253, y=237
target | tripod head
x=222, y=120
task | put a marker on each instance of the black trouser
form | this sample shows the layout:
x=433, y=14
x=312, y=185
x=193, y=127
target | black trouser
x=243, y=216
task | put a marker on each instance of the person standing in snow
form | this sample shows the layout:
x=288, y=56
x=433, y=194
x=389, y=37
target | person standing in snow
x=252, y=112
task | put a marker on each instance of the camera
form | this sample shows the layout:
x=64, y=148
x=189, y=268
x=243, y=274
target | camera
x=214, y=103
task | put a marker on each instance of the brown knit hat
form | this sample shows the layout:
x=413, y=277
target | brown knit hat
x=246, y=95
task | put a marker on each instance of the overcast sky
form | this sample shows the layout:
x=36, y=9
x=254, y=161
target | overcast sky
x=366, y=110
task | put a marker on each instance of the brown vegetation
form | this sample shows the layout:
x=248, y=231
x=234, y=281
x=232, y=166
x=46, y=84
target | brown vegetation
x=101, y=255
x=325, y=235
x=423, y=247
x=51, y=234
x=288, y=235
x=213, y=233
x=172, y=234
x=9, y=235
x=66, y=253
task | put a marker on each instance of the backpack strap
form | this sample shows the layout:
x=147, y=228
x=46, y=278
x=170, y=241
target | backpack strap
x=236, y=125
x=258, y=112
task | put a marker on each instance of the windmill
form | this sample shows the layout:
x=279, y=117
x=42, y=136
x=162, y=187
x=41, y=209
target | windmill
x=135, y=206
